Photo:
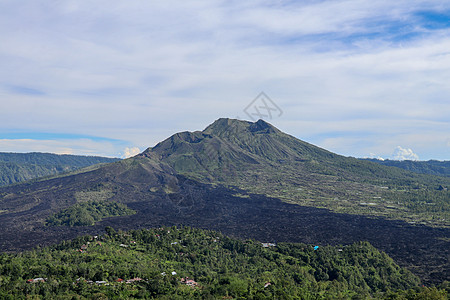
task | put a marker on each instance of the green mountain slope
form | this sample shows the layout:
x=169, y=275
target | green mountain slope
x=153, y=264
x=260, y=158
x=17, y=167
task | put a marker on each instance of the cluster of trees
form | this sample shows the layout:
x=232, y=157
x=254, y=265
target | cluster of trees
x=222, y=267
x=429, y=201
x=87, y=213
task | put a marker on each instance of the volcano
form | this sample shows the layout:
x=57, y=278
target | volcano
x=248, y=180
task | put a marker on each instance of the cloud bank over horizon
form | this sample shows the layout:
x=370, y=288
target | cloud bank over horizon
x=354, y=77
x=129, y=152
x=404, y=154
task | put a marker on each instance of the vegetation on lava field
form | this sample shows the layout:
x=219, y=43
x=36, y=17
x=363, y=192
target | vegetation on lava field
x=87, y=213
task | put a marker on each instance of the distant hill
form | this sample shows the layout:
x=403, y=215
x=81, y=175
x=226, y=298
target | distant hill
x=433, y=167
x=248, y=180
x=17, y=167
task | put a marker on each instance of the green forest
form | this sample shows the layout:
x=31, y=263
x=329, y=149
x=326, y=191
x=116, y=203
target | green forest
x=187, y=263
x=87, y=213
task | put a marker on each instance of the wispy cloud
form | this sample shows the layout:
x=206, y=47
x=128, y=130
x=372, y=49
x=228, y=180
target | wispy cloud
x=25, y=90
x=343, y=72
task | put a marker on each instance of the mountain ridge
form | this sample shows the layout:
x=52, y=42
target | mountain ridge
x=18, y=167
x=432, y=167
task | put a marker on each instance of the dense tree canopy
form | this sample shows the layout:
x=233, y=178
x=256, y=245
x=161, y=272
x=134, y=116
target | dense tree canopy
x=87, y=213
x=180, y=263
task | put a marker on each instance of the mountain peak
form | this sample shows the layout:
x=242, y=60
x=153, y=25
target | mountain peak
x=225, y=126
x=263, y=126
x=222, y=124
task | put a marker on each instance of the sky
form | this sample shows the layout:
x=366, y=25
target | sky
x=111, y=78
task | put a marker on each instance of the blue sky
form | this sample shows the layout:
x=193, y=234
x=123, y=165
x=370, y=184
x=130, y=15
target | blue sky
x=360, y=78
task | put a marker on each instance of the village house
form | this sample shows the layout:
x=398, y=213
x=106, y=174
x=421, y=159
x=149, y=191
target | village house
x=136, y=279
x=189, y=282
x=35, y=280
x=84, y=280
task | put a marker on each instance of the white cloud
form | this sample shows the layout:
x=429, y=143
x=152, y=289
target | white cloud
x=373, y=155
x=129, y=152
x=404, y=154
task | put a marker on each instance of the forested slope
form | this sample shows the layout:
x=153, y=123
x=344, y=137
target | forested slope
x=185, y=263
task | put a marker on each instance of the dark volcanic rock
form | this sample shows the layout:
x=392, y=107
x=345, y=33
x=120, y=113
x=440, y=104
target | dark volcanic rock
x=260, y=218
